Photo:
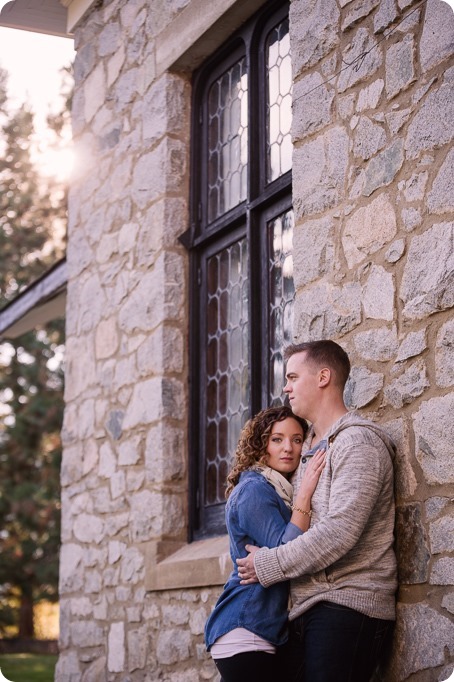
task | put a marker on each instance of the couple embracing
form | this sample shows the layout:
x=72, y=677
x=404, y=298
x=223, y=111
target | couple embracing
x=328, y=533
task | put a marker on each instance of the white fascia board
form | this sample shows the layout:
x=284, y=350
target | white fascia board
x=41, y=302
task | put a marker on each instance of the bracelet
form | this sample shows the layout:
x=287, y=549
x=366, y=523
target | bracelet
x=302, y=511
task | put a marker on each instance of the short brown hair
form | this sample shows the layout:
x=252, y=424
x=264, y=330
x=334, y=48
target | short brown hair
x=324, y=353
x=253, y=441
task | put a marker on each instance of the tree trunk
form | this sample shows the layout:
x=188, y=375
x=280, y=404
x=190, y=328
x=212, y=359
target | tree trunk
x=26, y=620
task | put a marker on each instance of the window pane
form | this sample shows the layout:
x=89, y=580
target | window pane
x=279, y=102
x=227, y=375
x=227, y=141
x=281, y=294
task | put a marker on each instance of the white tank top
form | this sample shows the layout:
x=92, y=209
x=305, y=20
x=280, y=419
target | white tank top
x=238, y=641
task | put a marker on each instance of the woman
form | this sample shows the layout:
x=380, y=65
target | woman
x=249, y=622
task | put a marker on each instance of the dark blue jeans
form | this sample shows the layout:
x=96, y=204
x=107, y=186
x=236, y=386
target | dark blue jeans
x=332, y=643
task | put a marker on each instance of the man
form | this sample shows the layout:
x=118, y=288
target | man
x=343, y=569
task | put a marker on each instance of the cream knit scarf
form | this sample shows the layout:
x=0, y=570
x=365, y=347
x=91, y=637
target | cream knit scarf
x=282, y=486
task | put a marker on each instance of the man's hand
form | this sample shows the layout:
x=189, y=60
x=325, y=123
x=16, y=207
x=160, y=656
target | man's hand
x=246, y=569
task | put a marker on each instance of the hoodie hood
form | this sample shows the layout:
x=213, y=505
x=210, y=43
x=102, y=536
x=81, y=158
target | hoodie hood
x=355, y=420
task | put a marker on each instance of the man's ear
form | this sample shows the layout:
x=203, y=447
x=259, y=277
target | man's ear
x=324, y=377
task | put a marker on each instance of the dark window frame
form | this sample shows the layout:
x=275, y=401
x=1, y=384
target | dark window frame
x=264, y=202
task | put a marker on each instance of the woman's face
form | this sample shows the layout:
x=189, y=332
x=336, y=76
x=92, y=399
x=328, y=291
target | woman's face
x=284, y=446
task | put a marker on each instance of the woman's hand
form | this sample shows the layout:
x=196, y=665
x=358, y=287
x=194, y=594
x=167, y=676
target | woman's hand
x=301, y=515
x=311, y=475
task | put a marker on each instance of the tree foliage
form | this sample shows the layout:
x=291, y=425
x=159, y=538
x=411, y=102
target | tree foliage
x=31, y=380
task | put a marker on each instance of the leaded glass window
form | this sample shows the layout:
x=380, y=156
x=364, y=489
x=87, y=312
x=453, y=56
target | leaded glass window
x=241, y=248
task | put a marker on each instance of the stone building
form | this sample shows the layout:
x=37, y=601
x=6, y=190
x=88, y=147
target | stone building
x=248, y=173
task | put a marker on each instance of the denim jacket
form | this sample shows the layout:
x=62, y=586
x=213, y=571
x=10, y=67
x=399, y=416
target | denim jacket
x=255, y=515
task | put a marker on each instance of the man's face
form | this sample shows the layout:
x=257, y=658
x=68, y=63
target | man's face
x=302, y=386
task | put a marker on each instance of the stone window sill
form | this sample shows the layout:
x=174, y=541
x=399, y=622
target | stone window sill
x=176, y=565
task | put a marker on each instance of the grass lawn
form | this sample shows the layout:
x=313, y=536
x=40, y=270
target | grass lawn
x=27, y=667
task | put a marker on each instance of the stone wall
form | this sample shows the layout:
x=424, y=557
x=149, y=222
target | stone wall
x=373, y=262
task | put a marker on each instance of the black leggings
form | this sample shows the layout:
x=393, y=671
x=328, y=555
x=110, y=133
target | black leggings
x=251, y=666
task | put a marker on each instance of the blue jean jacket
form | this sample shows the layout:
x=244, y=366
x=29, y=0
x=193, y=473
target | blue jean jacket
x=255, y=515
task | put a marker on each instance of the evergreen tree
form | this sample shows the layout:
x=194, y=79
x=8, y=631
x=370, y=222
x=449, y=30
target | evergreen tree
x=31, y=381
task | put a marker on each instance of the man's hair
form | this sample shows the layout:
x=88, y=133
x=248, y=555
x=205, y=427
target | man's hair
x=323, y=354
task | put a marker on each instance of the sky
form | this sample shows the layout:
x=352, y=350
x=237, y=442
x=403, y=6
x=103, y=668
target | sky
x=33, y=61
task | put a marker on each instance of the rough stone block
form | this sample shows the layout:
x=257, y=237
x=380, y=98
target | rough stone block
x=413, y=344
x=162, y=351
x=408, y=386
x=173, y=646
x=368, y=138
x=441, y=196
x=420, y=639
x=71, y=467
x=405, y=479
x=435, y=505
x=415, y=186
x=433, y=125
x=85, y=633
x=427, y=283
x=312, y=104
x=444, y=355
x=434, y=435
x=437, y=42
x=68, y=667
x=164, y=454
x=114, y=423
x=71, y=576
x=395, y=251
x=369, y=96
x=88, y=528
x=96, y=671
x=382, y=169
x=411, y=218
x=107, y=460
x=359, y=66
x=357, y=11
x=160, y=171
x=385, y=15
x=442, y=572
x=396, y=119
x=313, y=250
x=153, y=399
x=319, y=172
x=154, y=515
x=326, y=311
x=377, y=344
x=138, y=643
x=106, y=339
x=400, y=71
x=378, y=294
x=116, y=648
x=316, y=27
x=117, y=484
x=115, y=65
x=412, y=547
x=362, y=387
x=129, y=451
x=448, y=602
x=132, y=566
x=94, y=92
x=368, y=229
x=109, y=39
x=166, y=108
x=441, y=533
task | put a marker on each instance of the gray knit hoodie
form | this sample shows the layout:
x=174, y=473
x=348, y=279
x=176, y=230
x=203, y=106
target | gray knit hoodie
x=347, y=555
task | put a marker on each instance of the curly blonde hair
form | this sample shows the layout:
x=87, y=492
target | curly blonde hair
x=253, y=441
